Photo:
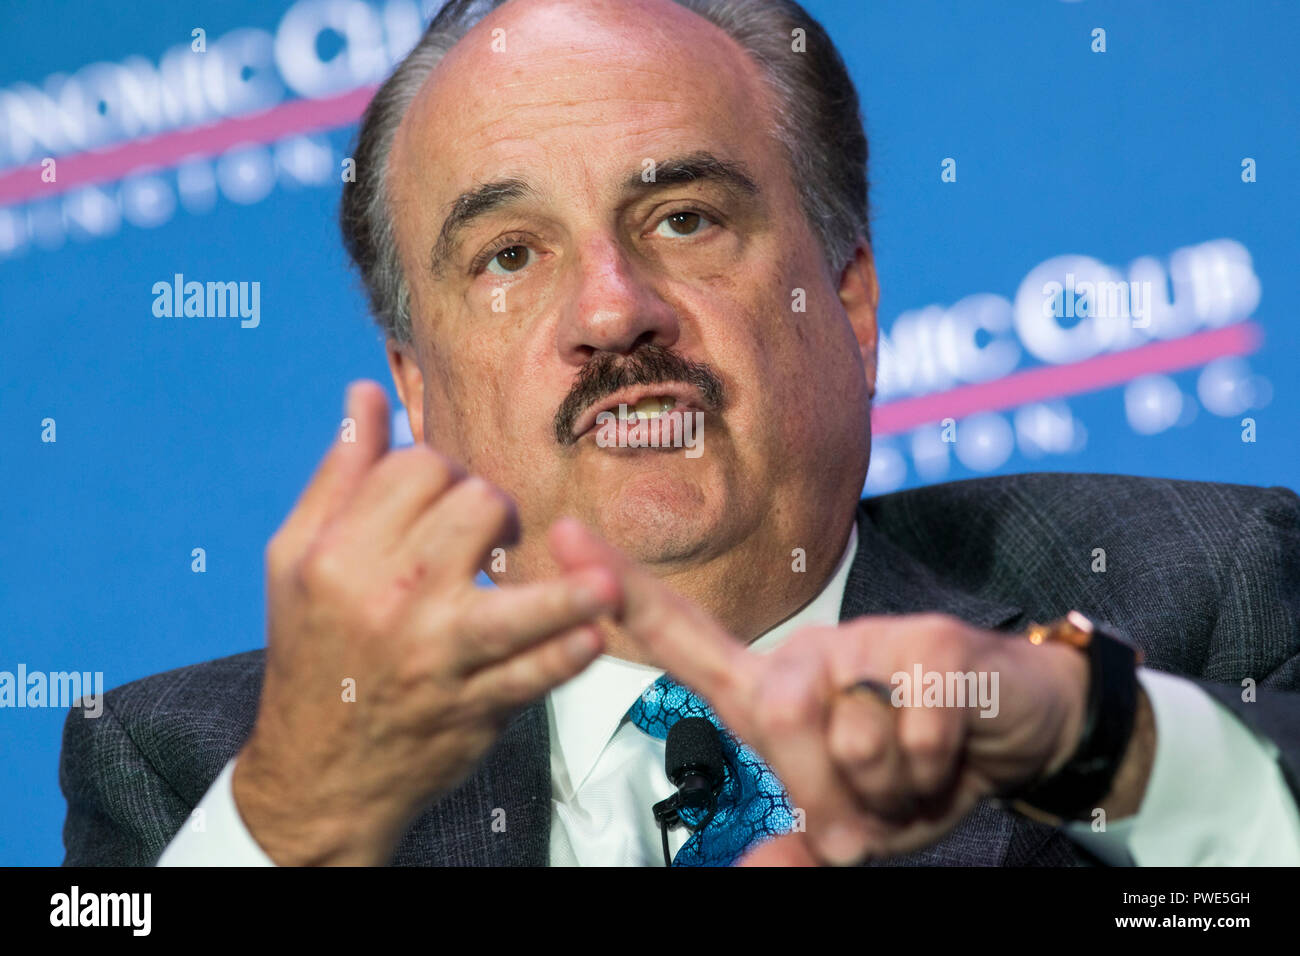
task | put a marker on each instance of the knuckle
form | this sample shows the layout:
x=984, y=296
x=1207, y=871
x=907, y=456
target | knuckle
x=924, y=741
x=373, y=619
x=860, y=745
x=515, y=686
x=414, y=673
x=323, y=569
x=941, y=641
x=488, y=643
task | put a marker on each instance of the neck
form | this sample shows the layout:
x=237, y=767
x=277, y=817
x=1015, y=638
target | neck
x=753, y=587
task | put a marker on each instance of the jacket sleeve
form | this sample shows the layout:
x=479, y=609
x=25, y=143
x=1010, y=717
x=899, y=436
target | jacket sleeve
x=1257, y=634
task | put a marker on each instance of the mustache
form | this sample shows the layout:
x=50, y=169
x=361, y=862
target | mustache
x=648, y=365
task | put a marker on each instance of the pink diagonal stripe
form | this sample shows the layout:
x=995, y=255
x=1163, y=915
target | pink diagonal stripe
x=168, y=149
x=1057, y=381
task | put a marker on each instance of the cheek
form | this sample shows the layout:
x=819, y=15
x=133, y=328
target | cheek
x=494, y=415
x=459, y=403
x=790, y=345
x=807, y=368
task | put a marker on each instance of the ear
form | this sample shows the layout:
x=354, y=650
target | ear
x=409, y=381
x=860, y=296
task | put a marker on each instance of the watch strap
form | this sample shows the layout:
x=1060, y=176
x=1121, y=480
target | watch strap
x=1078, y=787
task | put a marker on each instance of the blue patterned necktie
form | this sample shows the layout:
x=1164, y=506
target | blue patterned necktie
x=752, y=804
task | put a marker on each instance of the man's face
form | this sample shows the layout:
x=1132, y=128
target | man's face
x=602, y=276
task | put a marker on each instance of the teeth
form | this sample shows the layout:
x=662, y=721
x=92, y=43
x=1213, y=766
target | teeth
x=648, y=408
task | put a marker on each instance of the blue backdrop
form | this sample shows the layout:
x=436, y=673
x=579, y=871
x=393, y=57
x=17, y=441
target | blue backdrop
x=1013, y=147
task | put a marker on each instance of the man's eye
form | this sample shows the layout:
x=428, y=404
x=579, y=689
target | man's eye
x=508, y=260
x=682, y=224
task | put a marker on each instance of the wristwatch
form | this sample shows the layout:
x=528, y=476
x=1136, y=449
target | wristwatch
x=1075, y=790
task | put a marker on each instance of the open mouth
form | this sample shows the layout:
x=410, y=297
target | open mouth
x=637, y=407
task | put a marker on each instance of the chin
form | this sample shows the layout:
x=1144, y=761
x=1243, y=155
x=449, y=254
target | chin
x=657, y=515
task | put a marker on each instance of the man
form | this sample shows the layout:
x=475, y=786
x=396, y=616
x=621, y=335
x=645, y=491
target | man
x=582, y=226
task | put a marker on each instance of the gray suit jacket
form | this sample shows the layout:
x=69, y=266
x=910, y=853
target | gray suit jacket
x=1204, y=577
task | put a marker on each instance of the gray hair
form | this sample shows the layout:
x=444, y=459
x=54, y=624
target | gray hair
x=817, y=122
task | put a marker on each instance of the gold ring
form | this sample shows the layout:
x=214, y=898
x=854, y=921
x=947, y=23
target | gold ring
x=882, y=692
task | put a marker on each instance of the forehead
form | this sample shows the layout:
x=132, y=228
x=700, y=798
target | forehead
x=581, y=90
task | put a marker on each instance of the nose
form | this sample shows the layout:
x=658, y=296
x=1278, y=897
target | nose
x=614, y=308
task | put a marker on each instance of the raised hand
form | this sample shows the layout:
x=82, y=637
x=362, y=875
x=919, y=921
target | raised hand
x=389, y=674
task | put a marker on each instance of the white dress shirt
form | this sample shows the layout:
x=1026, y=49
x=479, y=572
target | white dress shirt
x=1216, y=794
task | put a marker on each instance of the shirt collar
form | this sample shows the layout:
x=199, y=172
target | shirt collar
x=588, y=710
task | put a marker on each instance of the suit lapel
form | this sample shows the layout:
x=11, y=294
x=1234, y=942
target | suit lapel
x=885, y=579
x=501, y=815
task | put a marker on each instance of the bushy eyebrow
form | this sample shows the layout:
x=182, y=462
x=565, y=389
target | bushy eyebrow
x=470, y=205
x=700, y=166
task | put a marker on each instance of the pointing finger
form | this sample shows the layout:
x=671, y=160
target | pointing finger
x=679, y=636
